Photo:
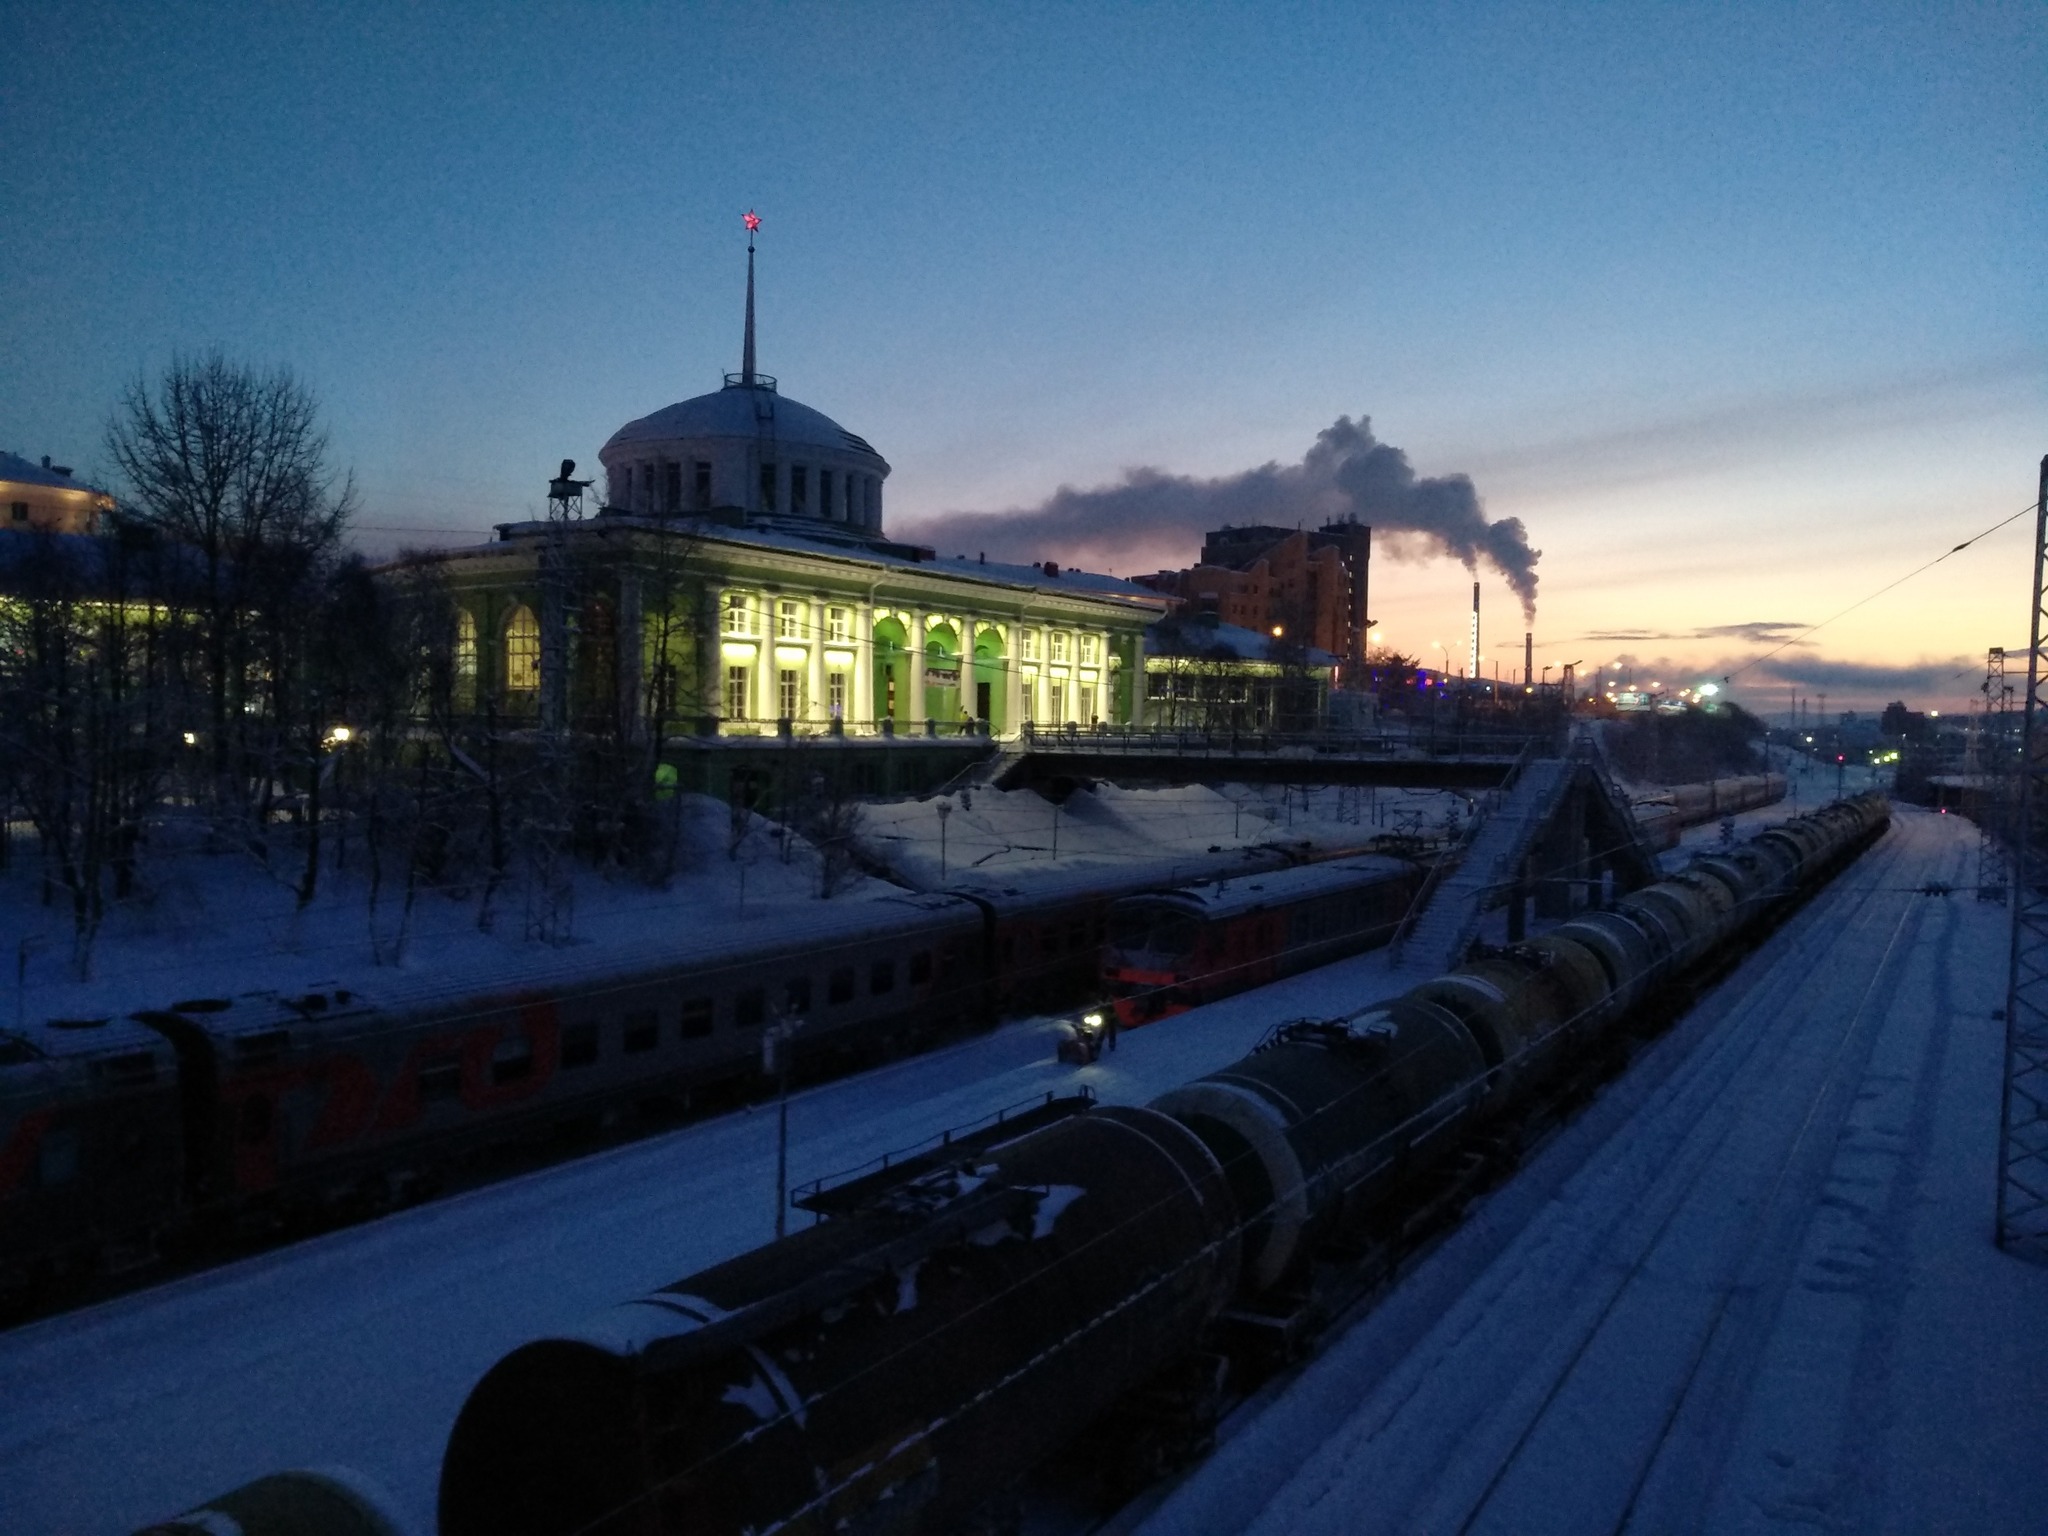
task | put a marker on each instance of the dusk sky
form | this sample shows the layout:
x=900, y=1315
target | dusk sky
x=1740, y=310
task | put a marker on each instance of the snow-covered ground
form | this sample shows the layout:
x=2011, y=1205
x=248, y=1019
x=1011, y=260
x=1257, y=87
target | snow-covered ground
x=1751, y=1286
x=213, y=923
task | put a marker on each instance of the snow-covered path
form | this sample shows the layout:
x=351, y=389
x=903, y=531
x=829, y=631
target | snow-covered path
x=1752, y=1289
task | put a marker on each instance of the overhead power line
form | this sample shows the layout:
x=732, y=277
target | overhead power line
x=1880, y=592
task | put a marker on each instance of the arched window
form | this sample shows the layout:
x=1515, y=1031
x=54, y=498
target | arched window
x=522, y=651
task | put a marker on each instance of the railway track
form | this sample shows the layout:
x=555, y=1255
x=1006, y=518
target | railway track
x=1724, y=1189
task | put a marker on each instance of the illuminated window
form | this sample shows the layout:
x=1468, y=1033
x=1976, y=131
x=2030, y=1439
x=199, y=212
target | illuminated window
x=1058, y=643
x=836, y=622
x=835, y=693
x=739, y=618
x=522, y=651
x=1031, y=645
x=789, y=621
x=1059, y=701
x=465, y=657
x=735, y=693
x=1087, y=650
x=790, y=683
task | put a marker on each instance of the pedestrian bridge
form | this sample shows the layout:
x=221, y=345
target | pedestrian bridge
x=1473, y=758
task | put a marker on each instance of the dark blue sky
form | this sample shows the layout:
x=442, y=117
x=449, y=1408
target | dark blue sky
x=1678, y=285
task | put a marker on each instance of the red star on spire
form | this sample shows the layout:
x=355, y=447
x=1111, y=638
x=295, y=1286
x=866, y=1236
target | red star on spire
x=752, y=221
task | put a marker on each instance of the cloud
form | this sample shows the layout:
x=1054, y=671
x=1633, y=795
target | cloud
x=1755, y=631
x=1347, y=473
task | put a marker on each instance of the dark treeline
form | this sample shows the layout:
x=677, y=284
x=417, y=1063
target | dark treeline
x=218, y=671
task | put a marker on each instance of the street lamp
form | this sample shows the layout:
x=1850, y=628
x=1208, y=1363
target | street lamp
x=945, y=810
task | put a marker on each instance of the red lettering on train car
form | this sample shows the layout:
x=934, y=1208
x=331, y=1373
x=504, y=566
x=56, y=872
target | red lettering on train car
x=484, y=1080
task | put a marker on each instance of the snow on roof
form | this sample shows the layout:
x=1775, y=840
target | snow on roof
x=1202, y=636
x=842, y=543
x=21, y=471
x=748, y=411
x=1248, y=893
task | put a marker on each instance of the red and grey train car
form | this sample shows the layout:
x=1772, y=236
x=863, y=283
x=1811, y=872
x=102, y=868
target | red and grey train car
x=266, y=1106
x=1174, y=950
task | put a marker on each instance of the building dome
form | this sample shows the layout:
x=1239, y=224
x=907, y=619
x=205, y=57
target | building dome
x=743, y=411
x=745, y=449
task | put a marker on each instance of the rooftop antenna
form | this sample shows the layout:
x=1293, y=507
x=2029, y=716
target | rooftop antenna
x=565, y=495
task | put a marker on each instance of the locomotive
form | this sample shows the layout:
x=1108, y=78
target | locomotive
x=952, y=1321
x=1170, y=951
x=219, y=1115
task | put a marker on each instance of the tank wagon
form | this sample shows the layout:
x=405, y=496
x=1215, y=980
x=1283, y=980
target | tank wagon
x=1170, y=951
x=954, y=1319
x=271, y=1110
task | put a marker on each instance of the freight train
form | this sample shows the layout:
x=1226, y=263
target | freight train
x=265, y=1112
x=956, y=1319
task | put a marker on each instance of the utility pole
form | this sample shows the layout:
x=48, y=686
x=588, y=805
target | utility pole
x=2022, y=1220
x=778, y=1044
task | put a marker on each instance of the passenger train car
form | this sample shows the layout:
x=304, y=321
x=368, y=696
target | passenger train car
x=262, y=1110
x=1174, y=950
x=1665, y=815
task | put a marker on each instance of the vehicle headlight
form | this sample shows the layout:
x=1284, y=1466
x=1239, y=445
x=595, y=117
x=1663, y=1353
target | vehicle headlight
x=1092, y=1020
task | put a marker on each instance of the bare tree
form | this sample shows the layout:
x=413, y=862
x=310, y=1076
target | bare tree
x=231, y=463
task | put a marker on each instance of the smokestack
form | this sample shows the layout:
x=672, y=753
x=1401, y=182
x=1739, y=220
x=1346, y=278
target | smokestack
x=1472, y=660
x=1528, y=657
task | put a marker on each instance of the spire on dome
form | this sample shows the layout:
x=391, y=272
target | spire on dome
x=753, y=222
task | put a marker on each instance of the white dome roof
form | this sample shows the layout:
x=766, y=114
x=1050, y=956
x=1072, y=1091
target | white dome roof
x=742, y=410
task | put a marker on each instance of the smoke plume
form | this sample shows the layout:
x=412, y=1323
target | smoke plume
x=1152, y=517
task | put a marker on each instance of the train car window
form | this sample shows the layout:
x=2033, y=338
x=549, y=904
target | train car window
x=440, y=1080
x=579, y=1045
x=750, y=1008
x=1131, y=927
x=882, y=978
x=796, y=995
x=57, y=1158
x=920, y=967
x=511, y=1060
x=839, y=987
x=642, y=1031
x=696, y=1017
x=255, y=1118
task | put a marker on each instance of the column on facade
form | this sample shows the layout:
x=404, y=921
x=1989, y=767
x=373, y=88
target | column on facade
x=766, y=706
x=1013, y=676
x=861, y=707
x=915, y=705
x=814, y=689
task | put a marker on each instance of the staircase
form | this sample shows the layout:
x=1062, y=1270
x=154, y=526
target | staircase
x=1493, y=855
